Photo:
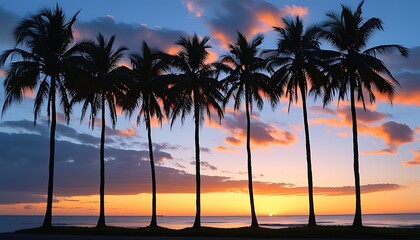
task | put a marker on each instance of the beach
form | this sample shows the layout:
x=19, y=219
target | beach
x=14, y=236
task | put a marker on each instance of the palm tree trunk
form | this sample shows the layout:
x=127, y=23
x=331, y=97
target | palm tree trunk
x=197, y=221
x=153, y=222
x=101, y=220
x=48, y=214
x=311, y=221
x=254, y=221
x=357, y=222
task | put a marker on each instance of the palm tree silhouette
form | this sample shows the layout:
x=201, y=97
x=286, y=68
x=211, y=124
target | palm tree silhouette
x=295, y=62
x=246, y=80
x=357, y=71
x=147, y=93
x=98, y=82
x=46, y=39
x=195, y=87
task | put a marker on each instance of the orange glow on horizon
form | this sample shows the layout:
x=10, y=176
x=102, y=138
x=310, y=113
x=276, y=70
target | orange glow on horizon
x=234, y=204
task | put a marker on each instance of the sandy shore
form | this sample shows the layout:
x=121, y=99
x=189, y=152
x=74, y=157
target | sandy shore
x=14, y=236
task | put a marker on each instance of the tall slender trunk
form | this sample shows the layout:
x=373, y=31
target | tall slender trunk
x=48, y=214
x=101, y=220
x=153, y=222
x=311, y=220
x=197, y=221
x=254, y=221
x=357, y=222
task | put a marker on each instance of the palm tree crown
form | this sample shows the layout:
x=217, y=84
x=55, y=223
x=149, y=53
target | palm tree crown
x=146, y=93
x=97, y=82
x=197, y=88
x=246, y=79
x=296, y=64
x=357, y=71
x=46, y=39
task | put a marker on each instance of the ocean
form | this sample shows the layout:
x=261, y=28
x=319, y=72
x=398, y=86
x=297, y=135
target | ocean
x=9, y=223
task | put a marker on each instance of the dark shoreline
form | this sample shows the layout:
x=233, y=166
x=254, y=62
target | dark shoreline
x=320, y=232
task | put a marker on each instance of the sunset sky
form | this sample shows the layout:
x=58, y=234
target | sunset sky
x=388, y=142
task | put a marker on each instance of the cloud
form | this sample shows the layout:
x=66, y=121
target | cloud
x=383, y=151
x=407, y=73
x=205, y=165
x=28, y=207
x=246, y=16
x=415, y=161
x=296, y=10
x=262, y=134
x=194, y=8
x=26, y=174
x=394, y=134
x=321, y=110
x=281, y=189
x=343, y=118
x=223, y=148
x=24, y=164
x=129, y=132
x=205, y=150
x=130, y=35
x=233, y=141
x=8, y=21
x=11, y=197
x=409, y=92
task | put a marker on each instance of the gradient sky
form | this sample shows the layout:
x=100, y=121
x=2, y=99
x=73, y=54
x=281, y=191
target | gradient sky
x=388, y=141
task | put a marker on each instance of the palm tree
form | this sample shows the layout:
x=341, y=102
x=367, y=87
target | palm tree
x=295, y=62
x=246, y=79
x=146, y=94
x=98, y=83
x=357, y=71
x=46, y=40
x=195, y=87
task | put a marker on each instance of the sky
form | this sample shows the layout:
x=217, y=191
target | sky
x=388, y=133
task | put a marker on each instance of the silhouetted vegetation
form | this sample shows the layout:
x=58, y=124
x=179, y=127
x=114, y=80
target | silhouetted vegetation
x=333, y=232
x=356, y=71
x=196, y=88
x=246, y=80
x=46, y=40
x=98, y=82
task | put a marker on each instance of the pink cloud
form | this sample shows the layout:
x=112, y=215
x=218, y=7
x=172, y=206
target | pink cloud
x=393, y=133
x=129, y=132
x=343, y=118
x=233, y=141
x=321, y=110
x=223, y=148
x=126, y=132
x=296, y=10
x=383, y=151
x=246, y=16
x=262, y=134
x=408, y=75
x=129, y=35
x=194, y=8
x=415, y=161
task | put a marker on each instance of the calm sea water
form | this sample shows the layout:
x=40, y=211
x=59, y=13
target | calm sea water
x=12, y=223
